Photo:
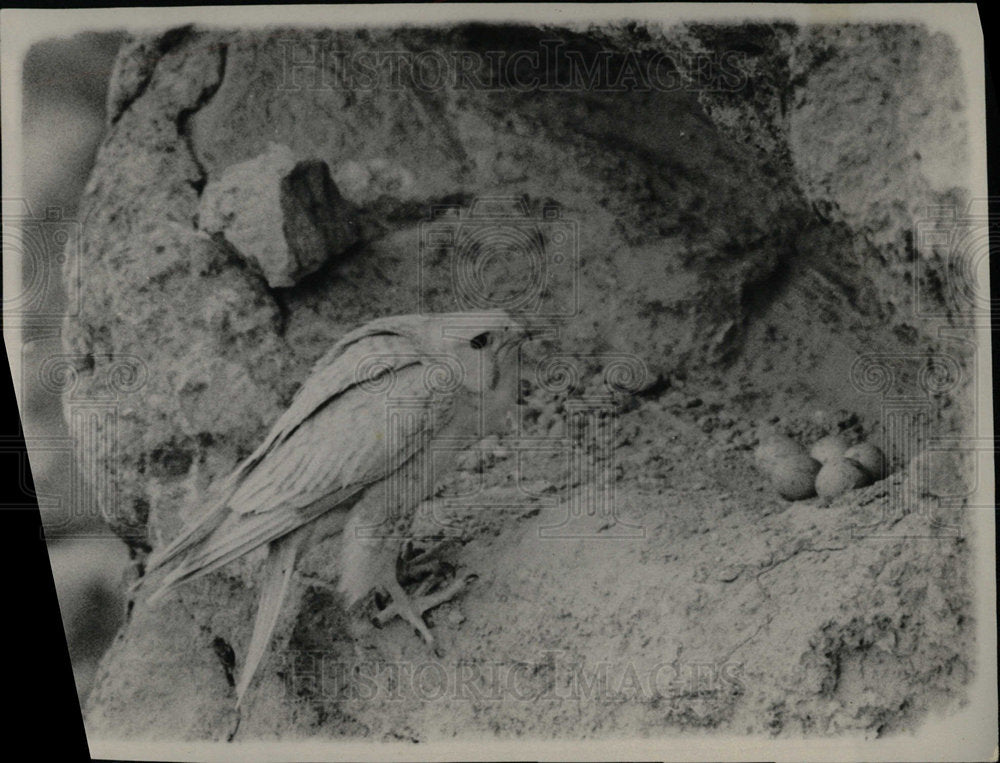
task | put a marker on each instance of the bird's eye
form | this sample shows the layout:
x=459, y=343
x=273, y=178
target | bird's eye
x=480, y=341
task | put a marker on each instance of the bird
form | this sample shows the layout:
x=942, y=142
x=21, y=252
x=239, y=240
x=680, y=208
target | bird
x=353, y=453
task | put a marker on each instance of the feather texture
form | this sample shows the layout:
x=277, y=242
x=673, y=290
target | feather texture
x=277, y=575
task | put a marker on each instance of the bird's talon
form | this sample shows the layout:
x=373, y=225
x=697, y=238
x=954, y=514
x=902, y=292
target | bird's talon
x=412, y=608
x=426, y=586
x=415, y=572
x=413, y=557
x=409, y=552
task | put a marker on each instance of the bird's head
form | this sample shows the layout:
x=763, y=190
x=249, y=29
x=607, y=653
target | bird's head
x=474, y=352
x=484, y=345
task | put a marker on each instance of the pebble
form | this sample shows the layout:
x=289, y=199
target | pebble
x=730, y=573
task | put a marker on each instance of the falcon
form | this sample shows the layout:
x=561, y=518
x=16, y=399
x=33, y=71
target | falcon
x=365, y=440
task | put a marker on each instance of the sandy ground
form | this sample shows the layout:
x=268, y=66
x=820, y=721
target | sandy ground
x=692, y=597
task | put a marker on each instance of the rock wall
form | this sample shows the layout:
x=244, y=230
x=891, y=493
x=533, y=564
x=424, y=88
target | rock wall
x=683, y=215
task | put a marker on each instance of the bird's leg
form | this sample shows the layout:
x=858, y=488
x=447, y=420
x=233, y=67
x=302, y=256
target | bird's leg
x=401, y=606
x=427, y=573
x=414, y=566
x=411, y=609
x=410, y=555
x=426, y=602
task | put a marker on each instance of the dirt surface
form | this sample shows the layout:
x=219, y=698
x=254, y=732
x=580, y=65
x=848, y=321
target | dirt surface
x=726, y=264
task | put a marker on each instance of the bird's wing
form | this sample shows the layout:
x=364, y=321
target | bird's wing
x=323, y=464
x=352, y=442
x=357, y=358
x=363, y=358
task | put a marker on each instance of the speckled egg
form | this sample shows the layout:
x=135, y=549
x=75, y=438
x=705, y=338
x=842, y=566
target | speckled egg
x=871, y=457
x=829, y=448
x=794, y=477
x=775, y=446
x=840, y=475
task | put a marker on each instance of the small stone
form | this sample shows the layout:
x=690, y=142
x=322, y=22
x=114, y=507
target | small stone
x=354, y=178
x=455, y=618
x=286, y=216
x=820, y=417
x=730, y=573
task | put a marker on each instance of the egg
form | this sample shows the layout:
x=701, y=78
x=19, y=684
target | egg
x=774, y=446
x=794, y=477
x=870, y=457
x=840, y=475
x=829, y=448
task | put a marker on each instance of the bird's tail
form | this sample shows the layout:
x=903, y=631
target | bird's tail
x=277, y=576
